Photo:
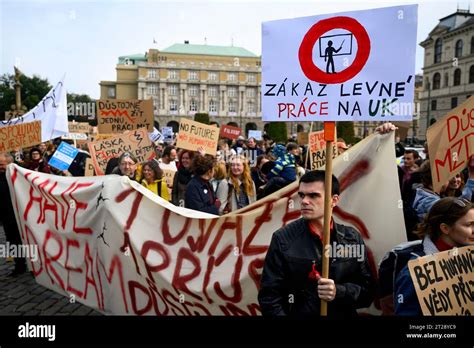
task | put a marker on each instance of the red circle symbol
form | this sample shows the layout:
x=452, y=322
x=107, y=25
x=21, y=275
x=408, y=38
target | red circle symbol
x=305, y=53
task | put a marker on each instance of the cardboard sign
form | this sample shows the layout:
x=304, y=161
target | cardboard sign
x=78, y=127
x=136, y=143
x=193, y=135
x=168, y=175
x=168, y=134
x=255, y=134
x=450, y=143
x=317, y=147
x=444, y=282
x=89, y=170
x=340, y=67
x=117, y=116
x=20, y=135
x=302, y=138
x=63, y=156
x=230, y=132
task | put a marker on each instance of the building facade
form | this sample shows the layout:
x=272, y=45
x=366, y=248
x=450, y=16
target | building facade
x=448, y=72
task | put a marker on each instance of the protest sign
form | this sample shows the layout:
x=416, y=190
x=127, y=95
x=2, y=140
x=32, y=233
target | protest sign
x=168, y=175
x=450, y=143
x=230, y=132
x=317, y=147
x=193, y=135
x=89, y=170
x=340, y=67
x=75, y=136
x=135, y=254
x=51, y=111
x=117, y=116
x=444, y=282
x=63, y=156
x=255, y=134
x=78, y=127
x=155, y=136
x=20, y=135
x=136, y=142
x=168, y=134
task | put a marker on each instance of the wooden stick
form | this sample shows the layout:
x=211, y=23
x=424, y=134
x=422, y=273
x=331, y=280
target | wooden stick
x=329, y=135
x=308, y=148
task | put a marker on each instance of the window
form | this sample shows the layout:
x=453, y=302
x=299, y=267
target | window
x=193, y=105
x=251, y=78
x=457, y=77
x=438, y=50
x=436, y=81
x=193, y=75
x=111, y=92
x=152, y=89
x=152, y=73
x=250, y=92
x=250, y=106
x=232, y=77
x=471, y=74
x=433, y=105
x=212, y=91
x=212, y=76
x=173, y=89
x=232, y=106
x=193, y=91
x=173, y=105
x=454, y=102
x=212, y=106
x=458, y=49
x=173, y=74
x=232, y=92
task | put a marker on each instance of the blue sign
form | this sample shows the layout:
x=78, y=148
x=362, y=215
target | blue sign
x=63, y=156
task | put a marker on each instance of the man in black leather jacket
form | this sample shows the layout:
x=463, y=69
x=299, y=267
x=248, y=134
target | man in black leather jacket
x=291, y=283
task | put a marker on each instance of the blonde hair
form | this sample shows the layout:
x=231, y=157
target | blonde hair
x=220, y=171
x=246, y=178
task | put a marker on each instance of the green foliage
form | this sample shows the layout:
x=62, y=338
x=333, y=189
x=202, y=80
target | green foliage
x=345, y=130
x=277, y=131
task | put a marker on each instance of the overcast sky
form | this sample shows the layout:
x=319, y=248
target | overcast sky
x=84, y=39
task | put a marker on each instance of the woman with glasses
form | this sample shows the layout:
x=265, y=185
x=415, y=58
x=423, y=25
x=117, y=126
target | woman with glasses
x=449, y=224
x=127, y=165
x=37, y=162
x=153, y=179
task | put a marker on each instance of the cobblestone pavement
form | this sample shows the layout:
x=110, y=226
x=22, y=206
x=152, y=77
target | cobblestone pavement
x=22, y=295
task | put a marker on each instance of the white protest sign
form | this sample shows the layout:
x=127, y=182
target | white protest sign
x=257, y=134
x=351, y=66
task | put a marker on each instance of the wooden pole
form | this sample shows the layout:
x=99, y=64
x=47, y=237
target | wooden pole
x=329, y=137
x=308, y=148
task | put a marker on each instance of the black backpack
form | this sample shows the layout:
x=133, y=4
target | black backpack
x=390, y=266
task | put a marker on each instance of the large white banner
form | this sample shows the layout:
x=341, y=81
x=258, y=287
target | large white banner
x=51, y=111
x=121, y=249
x=351, y=66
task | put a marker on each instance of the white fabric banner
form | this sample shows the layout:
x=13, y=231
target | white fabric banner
x=51, y=111
x=120, y=249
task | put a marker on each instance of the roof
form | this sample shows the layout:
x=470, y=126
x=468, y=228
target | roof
x=209, y=50
x=133, y=58
x=454, y=21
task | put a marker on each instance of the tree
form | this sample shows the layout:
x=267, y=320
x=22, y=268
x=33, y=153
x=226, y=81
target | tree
x=202, y=118
x=33, y=89
x=277, y=131
x=345, y=130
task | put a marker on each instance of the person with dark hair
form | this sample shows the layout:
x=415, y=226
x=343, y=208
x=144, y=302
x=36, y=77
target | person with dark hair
x=168, y=159
x=291, y=283
x=127, y=165
x=153, y=179
x=258, y=177
x=37, y=162
x=7, y=215
x=449, y=224
x=253, y=151
x=283, y=172
x=182, y=177
x=199, y=194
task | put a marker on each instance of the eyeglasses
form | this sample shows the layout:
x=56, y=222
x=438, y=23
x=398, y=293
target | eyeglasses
x=461, y=202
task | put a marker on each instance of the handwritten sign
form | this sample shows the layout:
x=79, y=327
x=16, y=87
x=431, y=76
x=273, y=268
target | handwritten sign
x=89, y=170
x=193, y=135
x=117, y=116
x=136, y=143
x=317, y=147
x=78, y=127
x=450, y=143
x=168, y=175
x=230, y=132
x=340, y=67
x=444, y=282
x=20, y=135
